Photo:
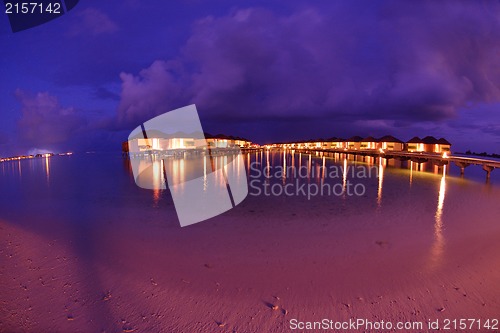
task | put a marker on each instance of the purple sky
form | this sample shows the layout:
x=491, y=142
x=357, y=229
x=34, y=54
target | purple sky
x=265, y=70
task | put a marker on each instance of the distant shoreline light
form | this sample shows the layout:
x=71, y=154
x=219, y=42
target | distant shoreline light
x=26, y=157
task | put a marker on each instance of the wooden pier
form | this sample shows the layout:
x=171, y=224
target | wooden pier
x=417, y=157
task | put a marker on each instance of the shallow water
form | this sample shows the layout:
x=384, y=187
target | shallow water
x=378, y=199
x=81, y=187
x=81, y=220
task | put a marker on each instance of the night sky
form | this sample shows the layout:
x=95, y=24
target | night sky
x=268, y=71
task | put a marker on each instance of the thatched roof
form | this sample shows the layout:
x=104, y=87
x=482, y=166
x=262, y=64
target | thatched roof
x=389, y=138
x=356, y=138
x=415, y=139
x=430, y=140
x=369, y=139
x=443, y=141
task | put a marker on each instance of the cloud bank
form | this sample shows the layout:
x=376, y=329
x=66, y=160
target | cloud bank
x=395, y=62
x=44, y=122
x=92, y=21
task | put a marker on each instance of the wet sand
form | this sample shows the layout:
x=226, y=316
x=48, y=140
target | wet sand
x=256, y=267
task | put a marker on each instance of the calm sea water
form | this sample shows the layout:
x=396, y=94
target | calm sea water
x=81, y=220
x=87, y=188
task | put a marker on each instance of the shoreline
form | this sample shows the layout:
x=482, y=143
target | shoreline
x=97, y=260
x=158, y=279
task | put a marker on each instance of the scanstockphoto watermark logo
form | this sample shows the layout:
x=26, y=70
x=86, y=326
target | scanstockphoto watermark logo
x=331, y=180
x=172, y=136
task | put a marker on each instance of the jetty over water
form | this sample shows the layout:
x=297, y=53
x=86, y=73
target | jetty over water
x=417, y=157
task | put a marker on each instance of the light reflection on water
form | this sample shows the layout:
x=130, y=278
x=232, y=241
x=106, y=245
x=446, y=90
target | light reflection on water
x=26, y=184
x=439, y=242
x=411, y=173
x=380, y=181
x=344, y=176
x=316, y=169
x=153, y=171
x=47, y=169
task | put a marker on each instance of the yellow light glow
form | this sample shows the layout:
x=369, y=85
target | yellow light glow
x=284, y=168
x=411, y=172
x=309, y=167
x=156, y=143
x=380, y=182
x=268, y=165
x=47, y=167
x=344, y=176
x=438, y=246
x=323, y=168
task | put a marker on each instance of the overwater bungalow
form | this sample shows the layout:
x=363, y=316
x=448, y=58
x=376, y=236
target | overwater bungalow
x=219, y=141
x=303, y=144
x=429, y=144
x=415, y=144
x=333, y=143
x=339, y=143
x=157, y=141
x=442, y=145
x=227, y=141
x=369, y=143
x=315, y=143
x=354, y=143
x=389, y=142
x=242, y=142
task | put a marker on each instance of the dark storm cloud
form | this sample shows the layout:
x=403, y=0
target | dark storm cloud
x=152, y=92
x=393, y=61
x=92, y=21
x=269, y=72
x=96, y=44
x=44, y=122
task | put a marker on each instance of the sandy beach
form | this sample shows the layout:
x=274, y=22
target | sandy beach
x=255, y=268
